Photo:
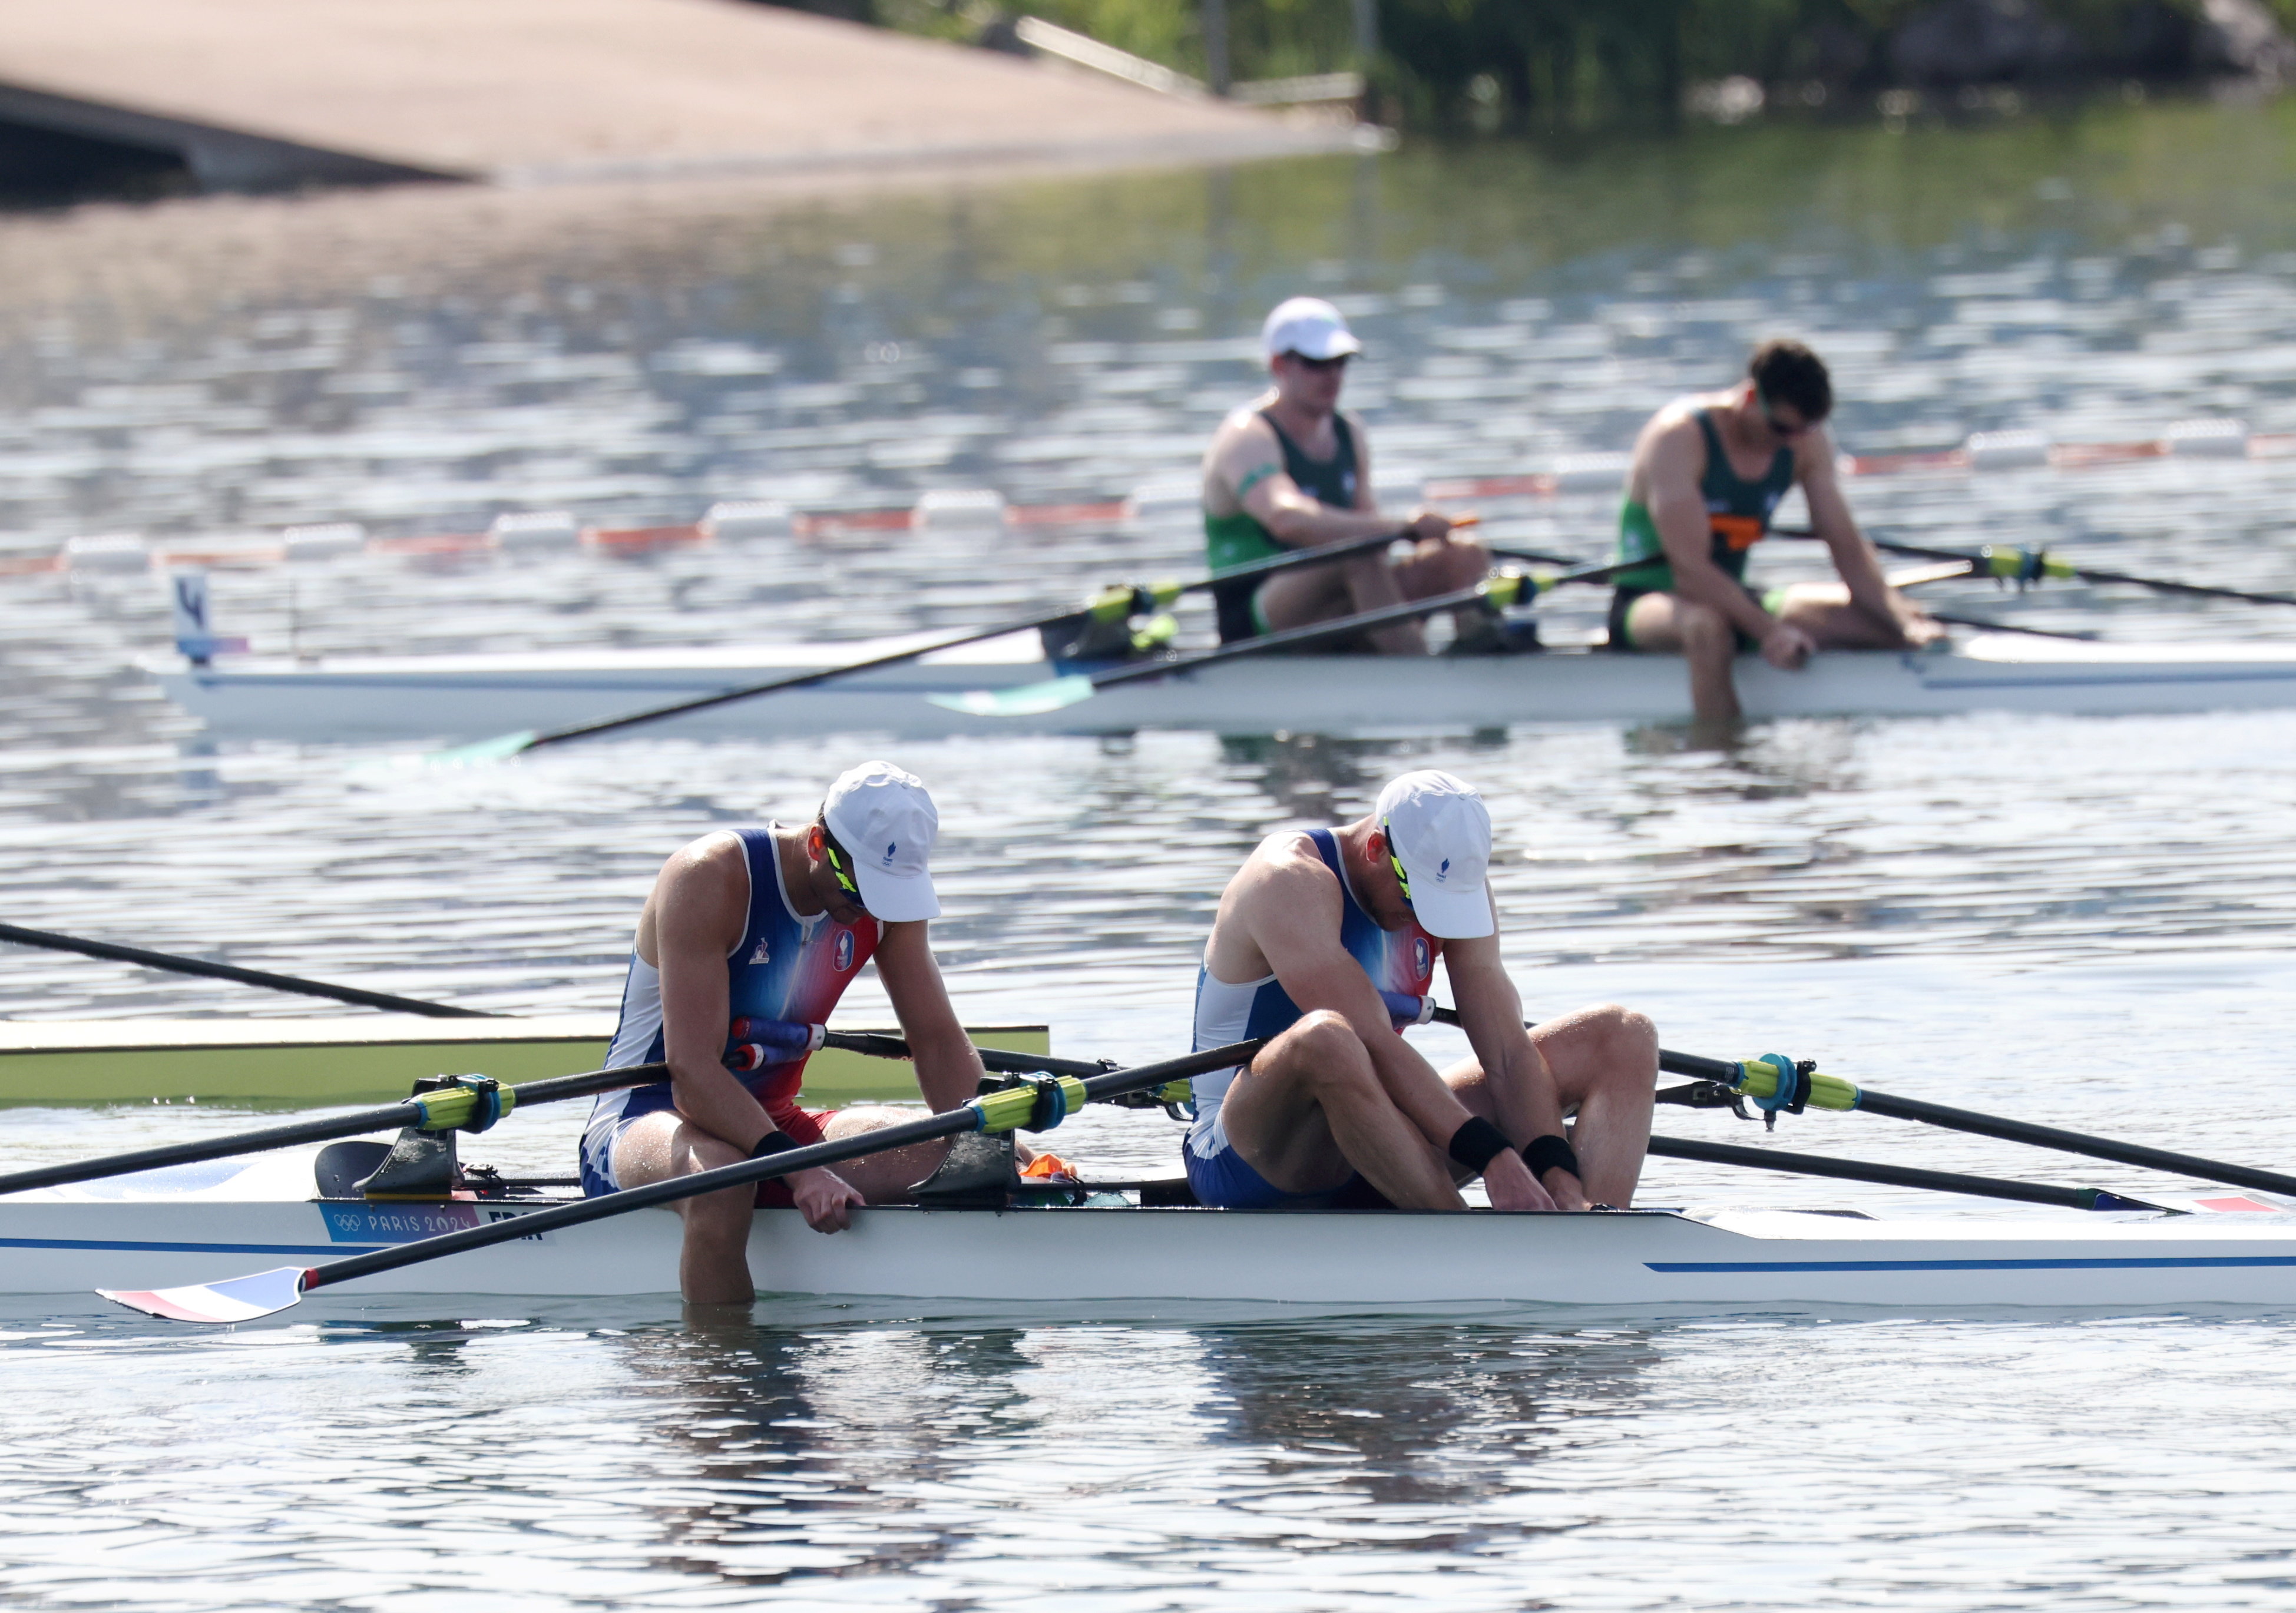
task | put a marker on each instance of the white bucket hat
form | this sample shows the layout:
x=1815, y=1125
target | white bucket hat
x=1440, y=830
x=887, y=825
x=1309, y=326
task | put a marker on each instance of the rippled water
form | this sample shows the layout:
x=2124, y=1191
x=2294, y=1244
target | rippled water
x=2081, y=920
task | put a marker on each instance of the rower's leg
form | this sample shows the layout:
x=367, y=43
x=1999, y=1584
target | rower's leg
x=883, y=1178
x=1443, y=565
x=1310, y=1108
x=1667, y=624
x=1603, y=1060
x=713, y=1266
x=1826, y=612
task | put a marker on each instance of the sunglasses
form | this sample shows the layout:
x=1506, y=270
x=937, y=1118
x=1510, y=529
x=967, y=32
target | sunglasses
x=1395, y=862
x=1771, y=420
x=1320, y=366
x=837, y=867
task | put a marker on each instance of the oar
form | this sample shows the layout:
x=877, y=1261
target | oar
x=1039, y=1107
x=1761, y=1078
x=245, y=976
x=461, y=1106
x=2035, y=565
x=1110, y=604
x=1895, y=1175
x=471, y=1107
x=1055, y=694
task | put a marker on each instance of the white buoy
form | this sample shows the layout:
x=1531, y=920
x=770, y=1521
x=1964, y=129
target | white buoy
x=535, y=529
x=2006, y=450
x=2208, y=440
x=1590, y=472
x=1168, y=495
x=106, y=551
x=959, y=509
x=328, y=541
x=740, y=519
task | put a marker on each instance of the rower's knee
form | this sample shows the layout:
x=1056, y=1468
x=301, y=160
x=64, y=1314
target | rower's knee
x=1706, y=633
x=1629, y=1040
x=1466, y=562
x=1328, y=1058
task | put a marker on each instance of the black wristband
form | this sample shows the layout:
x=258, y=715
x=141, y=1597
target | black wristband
x=1549, y=1153
x=774, y=1141
x=1476, y=1143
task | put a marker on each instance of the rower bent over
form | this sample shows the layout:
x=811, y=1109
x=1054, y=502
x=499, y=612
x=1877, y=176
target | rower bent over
x=1321, y=938
x=772, y=924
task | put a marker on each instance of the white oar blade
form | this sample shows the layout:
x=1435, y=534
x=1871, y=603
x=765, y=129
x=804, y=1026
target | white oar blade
x=234, y=1299
x=1029, y=700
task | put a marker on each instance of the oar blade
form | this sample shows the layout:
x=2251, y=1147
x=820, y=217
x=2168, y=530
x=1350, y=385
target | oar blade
x=216, y=1304
x=500, y=748
x=1028, y=700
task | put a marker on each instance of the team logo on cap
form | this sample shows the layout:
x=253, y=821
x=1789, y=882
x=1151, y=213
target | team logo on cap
x=1443, y=872
x=843, y=955
x=891, y=847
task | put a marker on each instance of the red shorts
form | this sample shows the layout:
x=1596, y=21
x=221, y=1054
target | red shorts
x=805, y=1127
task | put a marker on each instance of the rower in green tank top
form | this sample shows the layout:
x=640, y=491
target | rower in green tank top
x=1709, y=473
x=1289, y=471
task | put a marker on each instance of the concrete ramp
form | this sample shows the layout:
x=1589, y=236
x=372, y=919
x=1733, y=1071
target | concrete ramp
x=257, y=94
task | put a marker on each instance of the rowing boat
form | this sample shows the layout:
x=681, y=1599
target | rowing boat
x=201, y=1224
x=361, y=1058
x=461, y=697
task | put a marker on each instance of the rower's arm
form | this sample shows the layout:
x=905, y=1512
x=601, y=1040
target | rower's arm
x=1678, y=510
x=1854, y=558
x=1293, y=918
x=698, y=911
x=1247, y=467
x=1490, y=1011
x=948, y=1067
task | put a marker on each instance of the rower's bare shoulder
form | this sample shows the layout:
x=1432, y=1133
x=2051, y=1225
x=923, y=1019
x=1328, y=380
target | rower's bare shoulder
x=1286, y=868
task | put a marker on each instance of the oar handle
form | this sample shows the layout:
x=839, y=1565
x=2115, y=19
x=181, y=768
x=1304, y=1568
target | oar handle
x=432, y=1111
x=999, y=1111
x=226, y=971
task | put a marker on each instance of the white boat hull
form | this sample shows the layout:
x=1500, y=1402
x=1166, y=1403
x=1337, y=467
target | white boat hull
x=136, y=1234
x=447, y=698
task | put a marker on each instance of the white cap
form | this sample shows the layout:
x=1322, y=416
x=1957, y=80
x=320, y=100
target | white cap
x=886, y=822
x=1309, y=326
x=1441, y=830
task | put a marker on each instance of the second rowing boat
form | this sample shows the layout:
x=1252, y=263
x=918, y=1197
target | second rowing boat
x=463, y=697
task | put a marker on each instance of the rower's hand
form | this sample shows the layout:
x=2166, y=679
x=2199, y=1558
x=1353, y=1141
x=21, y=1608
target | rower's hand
x=1512, y=1186
x=825, y=1198
x=1787, y=647
x=1920, y=629
x=1426, y=524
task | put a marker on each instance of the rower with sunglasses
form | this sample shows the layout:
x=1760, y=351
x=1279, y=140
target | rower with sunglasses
x=1326, y=940
x=772, y=924
x=1291, y=471
x=1708, y=473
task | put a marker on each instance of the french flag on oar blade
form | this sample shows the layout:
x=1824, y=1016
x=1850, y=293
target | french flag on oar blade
x=235, y=1299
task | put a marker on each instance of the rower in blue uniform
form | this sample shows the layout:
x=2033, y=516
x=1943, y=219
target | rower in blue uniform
x=1319, y=935
x=768, y=926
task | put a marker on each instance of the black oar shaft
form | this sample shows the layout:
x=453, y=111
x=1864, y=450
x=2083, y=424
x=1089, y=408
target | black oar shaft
x=1324, y=633
x=1107, y=1083
x=388, y=1116
x=2087, y=574
x=245, y=976
x=1886, y=1175
x=1002, y=1061
x=955, y=641
x=1668, y=1060
x=2073, y=1142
